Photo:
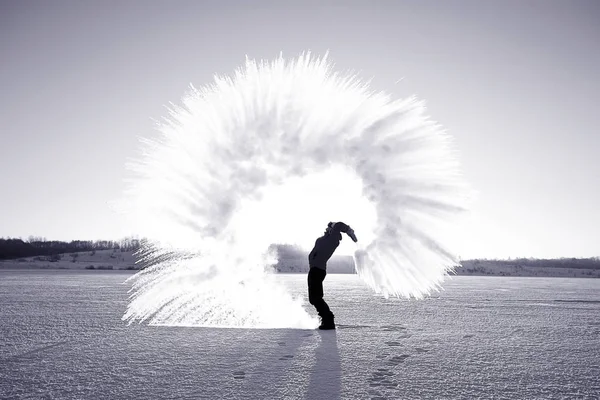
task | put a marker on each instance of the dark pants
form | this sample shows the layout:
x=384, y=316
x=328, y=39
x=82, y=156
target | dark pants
x=315, y=293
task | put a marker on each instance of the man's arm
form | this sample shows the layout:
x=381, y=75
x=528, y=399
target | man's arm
x=342, y=227
x=352, y=235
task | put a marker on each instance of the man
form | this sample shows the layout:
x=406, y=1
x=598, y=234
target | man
x=317, y=260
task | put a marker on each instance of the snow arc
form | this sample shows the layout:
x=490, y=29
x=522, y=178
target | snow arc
x=203, y=193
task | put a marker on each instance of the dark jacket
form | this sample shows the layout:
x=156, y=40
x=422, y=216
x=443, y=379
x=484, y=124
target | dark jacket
x=325, y=246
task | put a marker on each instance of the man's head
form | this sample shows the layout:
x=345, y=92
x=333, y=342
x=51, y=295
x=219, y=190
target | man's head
x=329, y=229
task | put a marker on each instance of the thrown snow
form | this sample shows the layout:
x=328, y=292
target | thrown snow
x=271, y=155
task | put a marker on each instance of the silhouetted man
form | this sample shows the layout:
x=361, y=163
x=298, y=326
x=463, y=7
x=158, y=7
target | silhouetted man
x=317, y=260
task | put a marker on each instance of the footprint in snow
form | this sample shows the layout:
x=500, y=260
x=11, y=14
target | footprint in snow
x=397, y=360
x=392, y=328
x=239, y=375
x=376, y=395
x=381, y=377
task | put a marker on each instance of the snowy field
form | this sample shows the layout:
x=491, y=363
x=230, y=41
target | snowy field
x=61, y=337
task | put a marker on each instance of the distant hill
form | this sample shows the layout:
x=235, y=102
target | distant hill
x=294, y=260
x=114, y=259
x=561, y=267
x=291, y=260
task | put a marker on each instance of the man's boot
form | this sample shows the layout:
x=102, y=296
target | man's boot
x=327, y=323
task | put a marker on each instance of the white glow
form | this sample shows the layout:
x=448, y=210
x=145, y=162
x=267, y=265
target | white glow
x=271, y=156
x=298, y=209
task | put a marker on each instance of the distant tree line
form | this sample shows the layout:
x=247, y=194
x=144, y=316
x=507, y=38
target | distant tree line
x=11, y=248
x=579, y=263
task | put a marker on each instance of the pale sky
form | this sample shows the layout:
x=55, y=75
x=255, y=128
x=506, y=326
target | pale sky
x=515, y=82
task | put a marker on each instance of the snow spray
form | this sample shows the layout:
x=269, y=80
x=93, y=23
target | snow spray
x=225, y=180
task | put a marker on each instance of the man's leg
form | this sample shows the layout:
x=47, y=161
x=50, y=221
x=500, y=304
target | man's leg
x=315, y=293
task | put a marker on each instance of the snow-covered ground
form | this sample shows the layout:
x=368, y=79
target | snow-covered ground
x=61, y=336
